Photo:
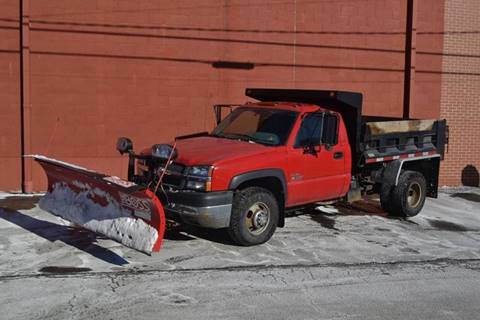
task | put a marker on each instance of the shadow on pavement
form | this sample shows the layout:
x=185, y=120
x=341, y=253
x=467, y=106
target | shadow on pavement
x=470, y=176
x=324, y=220
x=175, y=235
x=474, y=197
x=63, y=270
x=214, y=235
x=447, y=225
x=185, y=232
x=366, y=207
x=326, y=217
x=78, y=238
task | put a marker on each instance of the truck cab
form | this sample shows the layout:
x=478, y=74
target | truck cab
x=290, y=154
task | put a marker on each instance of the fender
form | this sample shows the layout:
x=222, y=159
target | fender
x=264, y=173
x=412, y=159
x=391, y=173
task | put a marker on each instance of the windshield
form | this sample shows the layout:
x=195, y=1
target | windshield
x=260, y=125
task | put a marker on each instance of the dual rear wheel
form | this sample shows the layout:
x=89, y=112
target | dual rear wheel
x=407, y=198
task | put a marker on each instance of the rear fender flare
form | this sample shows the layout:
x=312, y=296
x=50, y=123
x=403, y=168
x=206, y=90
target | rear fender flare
x=391, y=173
x=397, y=175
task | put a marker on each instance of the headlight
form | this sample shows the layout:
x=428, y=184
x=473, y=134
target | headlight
x=200, y=171
x=199, y=185
x=163, y=151
x=199, y=178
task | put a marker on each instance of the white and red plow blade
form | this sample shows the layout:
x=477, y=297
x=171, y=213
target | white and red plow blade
x=118, y=209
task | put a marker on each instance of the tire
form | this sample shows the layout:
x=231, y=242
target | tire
x=386, y=197
x=408, y=197
x=254, y=218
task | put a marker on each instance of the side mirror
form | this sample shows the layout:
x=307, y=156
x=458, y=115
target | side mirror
x=124, y=145
x=310, y=146
x=163, y=152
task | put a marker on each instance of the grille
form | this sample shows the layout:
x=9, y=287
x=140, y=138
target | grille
x=175, y=175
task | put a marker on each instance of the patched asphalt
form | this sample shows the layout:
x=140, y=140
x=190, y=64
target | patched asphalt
x=49, y=269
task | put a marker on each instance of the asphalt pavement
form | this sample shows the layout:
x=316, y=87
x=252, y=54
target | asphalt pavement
x=336, y=262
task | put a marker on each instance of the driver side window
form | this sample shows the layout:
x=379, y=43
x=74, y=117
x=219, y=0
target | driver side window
x=310, y=130
x=317, y=128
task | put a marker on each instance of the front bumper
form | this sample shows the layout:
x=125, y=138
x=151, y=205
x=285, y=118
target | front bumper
x=205, y=209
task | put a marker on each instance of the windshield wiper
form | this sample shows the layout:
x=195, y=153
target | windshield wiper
x=235, y=136
x=220, y=135
x=244, y=137
x=265, y=142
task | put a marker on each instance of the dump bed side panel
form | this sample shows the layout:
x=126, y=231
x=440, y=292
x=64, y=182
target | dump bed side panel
x=391, y=140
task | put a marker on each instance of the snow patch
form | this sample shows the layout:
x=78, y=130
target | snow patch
x=40, y=157
x=4, y=195
x=327, y=209
x=111, y=220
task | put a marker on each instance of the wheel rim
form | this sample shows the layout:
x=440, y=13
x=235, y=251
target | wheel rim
x=414, y=195
x=257, y=218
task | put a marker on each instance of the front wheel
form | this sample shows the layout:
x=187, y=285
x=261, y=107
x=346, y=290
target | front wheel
x=408, y=197
x=254, y=216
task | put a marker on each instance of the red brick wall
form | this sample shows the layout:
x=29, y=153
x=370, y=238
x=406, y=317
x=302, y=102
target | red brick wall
x=96, y=70
x=143, y=69
x=460, y=101
x=10, y=171
x=427, y=60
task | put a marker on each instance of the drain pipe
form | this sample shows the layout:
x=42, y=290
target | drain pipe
x=410, y=51
x=24, y=43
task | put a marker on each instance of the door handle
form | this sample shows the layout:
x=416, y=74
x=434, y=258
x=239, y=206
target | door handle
x=338, y=155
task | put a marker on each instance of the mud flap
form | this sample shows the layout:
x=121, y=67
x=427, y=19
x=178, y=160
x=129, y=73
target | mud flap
x=116, y=208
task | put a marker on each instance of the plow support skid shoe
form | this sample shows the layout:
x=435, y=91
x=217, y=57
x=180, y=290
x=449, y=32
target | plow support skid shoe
x=116, y=208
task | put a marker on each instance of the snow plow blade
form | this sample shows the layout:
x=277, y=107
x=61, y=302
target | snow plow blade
x=116, y=208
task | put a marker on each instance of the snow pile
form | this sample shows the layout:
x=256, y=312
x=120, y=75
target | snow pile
x=66, y=164
x=112, y=220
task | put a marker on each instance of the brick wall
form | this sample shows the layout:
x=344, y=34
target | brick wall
x=460, y=98
x=96, y=70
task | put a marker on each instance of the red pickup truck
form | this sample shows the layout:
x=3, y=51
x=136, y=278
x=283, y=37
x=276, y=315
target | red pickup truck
x=292, y=148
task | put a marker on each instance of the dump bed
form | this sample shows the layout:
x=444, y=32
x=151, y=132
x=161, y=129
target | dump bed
x=396, y=139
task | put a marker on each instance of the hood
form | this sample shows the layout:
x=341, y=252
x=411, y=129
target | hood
x=211, y=150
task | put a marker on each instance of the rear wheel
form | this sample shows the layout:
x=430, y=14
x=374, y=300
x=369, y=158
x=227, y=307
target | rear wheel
x=386, y=197
x=254, y=216
x=408, y=197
